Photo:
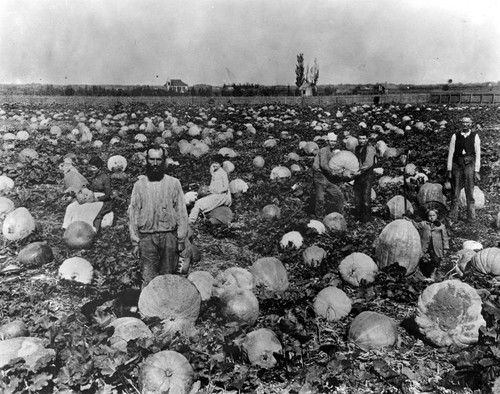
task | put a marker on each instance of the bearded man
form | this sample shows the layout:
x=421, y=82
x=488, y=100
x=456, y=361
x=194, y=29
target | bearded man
x=158, y=219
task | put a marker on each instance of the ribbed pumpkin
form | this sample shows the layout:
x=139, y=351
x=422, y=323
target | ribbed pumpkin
x=166, y=372
x=332, y=304
x=32, y=350
x=260, y=346
x=335, y=222
x=372, y=330
x=204, y=282
x=317, y=226
x=310, y=148
x=35, y=254
x=127, y=329
x=271, y=211
x=399, y=242
x=280, y=172
x=344, y=163
x=487, y=261
x=6, y=206
x=77, y=269
x=79, y=235
x=449, y=313
x=313, y=256
x=13, y=329
x=239, y=306
x=172, y=298
x=258, y=162
x=233, y=278
x=117, y=163
x=292, y=239
x=358, y=267
x=462, y=258
x=270, y=273
x=396, y=206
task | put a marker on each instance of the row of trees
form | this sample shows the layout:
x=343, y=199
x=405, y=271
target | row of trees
x=306, y=74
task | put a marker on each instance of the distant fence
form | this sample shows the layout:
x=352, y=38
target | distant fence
x=400, y=98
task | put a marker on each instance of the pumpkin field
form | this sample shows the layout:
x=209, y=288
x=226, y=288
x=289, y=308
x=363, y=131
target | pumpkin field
x=277, y=301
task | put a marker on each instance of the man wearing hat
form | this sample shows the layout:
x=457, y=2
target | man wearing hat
x=366, y=154
x=325, y=182
x=464, y=162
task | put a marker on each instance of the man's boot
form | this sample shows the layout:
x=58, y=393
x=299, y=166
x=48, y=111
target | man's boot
x=471, y=213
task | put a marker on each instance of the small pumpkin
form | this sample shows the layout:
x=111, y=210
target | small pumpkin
x=271, y=211
x=313, y=256
x=310, y=148
x=270, y=273
x=258, y=162
x=79, y=235
x=77, y=269
x=32, y=350
x=280, y=172
x=231, y=278
x=117, y=163
x=399, y=242
x=260, y=345
x=239, y=306
x=166, y=372
x=127, y=329
x=479, y=198
x=204, y=282
x=14, y=329
x=35, y=254
x=332, y=304
x=449, y=313
x=372, y=330
x=317, y=226
x=358, y=267
x=292, y=239
x=487, y=261
x=335, y=222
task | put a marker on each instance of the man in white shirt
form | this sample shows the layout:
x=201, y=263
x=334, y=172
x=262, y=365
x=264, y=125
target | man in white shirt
x=464, y=163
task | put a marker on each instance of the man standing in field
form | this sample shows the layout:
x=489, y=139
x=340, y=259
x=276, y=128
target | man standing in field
x=325, y=183
x=158, y=220
x=366, y=154
x=464, y=163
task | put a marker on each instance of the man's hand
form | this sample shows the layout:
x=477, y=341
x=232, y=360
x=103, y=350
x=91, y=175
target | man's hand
x=477, y=176
x=448, y=174
x=136, y=251
x=180, y=246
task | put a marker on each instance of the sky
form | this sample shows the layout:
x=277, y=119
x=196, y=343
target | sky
x=146, y=42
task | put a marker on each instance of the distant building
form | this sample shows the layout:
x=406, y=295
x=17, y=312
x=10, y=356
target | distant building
x=307, y=89
x=176, y=85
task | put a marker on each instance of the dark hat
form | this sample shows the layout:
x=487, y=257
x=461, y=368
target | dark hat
x=218, y=158
x=96, y=161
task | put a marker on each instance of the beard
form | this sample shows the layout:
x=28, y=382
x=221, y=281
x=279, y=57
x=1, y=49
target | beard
x=154, y=173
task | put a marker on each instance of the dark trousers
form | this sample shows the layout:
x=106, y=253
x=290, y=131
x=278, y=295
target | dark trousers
x=158, y=254
x=363, y=196
x=329, y=196
x=106, y=208
x=462, y=176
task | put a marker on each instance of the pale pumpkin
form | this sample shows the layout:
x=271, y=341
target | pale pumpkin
x=479, y=198
x=280, y=172
x=317, y=226
x=6, y=206
x=313, y=256
x=18, y=224
x=310, y=148
x=358, y=267
x=449, y=313
x=271, y=211
x=258, y=162
x=127, y=329
x=344, y=163
x=31, y=350
x=239, y=306
x=204, y=282
x=399, y=242
x=260, y=345
x=292, y=239
x=332, y=304
x=172, y=298
x=335, y=222
x=76, y=269
x=238, y=186
x=487, y=261
x=13, y=329
x=372, y=330
x=396, y=207
x=270, y=273
x=233, y=278
x=166, y=372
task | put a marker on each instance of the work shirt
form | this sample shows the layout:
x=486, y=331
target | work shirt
x=323, y=158
x=366, y=157
x=102, y=184
x=157, y=207
x=477, y=151
x=219, y=183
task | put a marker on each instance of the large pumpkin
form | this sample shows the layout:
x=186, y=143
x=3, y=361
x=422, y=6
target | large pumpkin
x=372, y=330
x=79, y=235
x=335, y=222
x=239, y=306
x=332, y=303
x=6, y=206
x=396, y=206
x=77, y=269
x=260, y=346
x=166, y=372
x=431, y=194
x=449, y=313
x=399, y=242
x=270, y=273
x=127, y=329
x=292, y=239
x=487, y=261
x=172, y=298
x=358, y=267
x=18, y=224
x=233, y=278
x=344, y=163
x=479, y=198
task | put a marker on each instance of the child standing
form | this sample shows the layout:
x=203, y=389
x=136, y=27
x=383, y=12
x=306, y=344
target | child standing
x=435, y=242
